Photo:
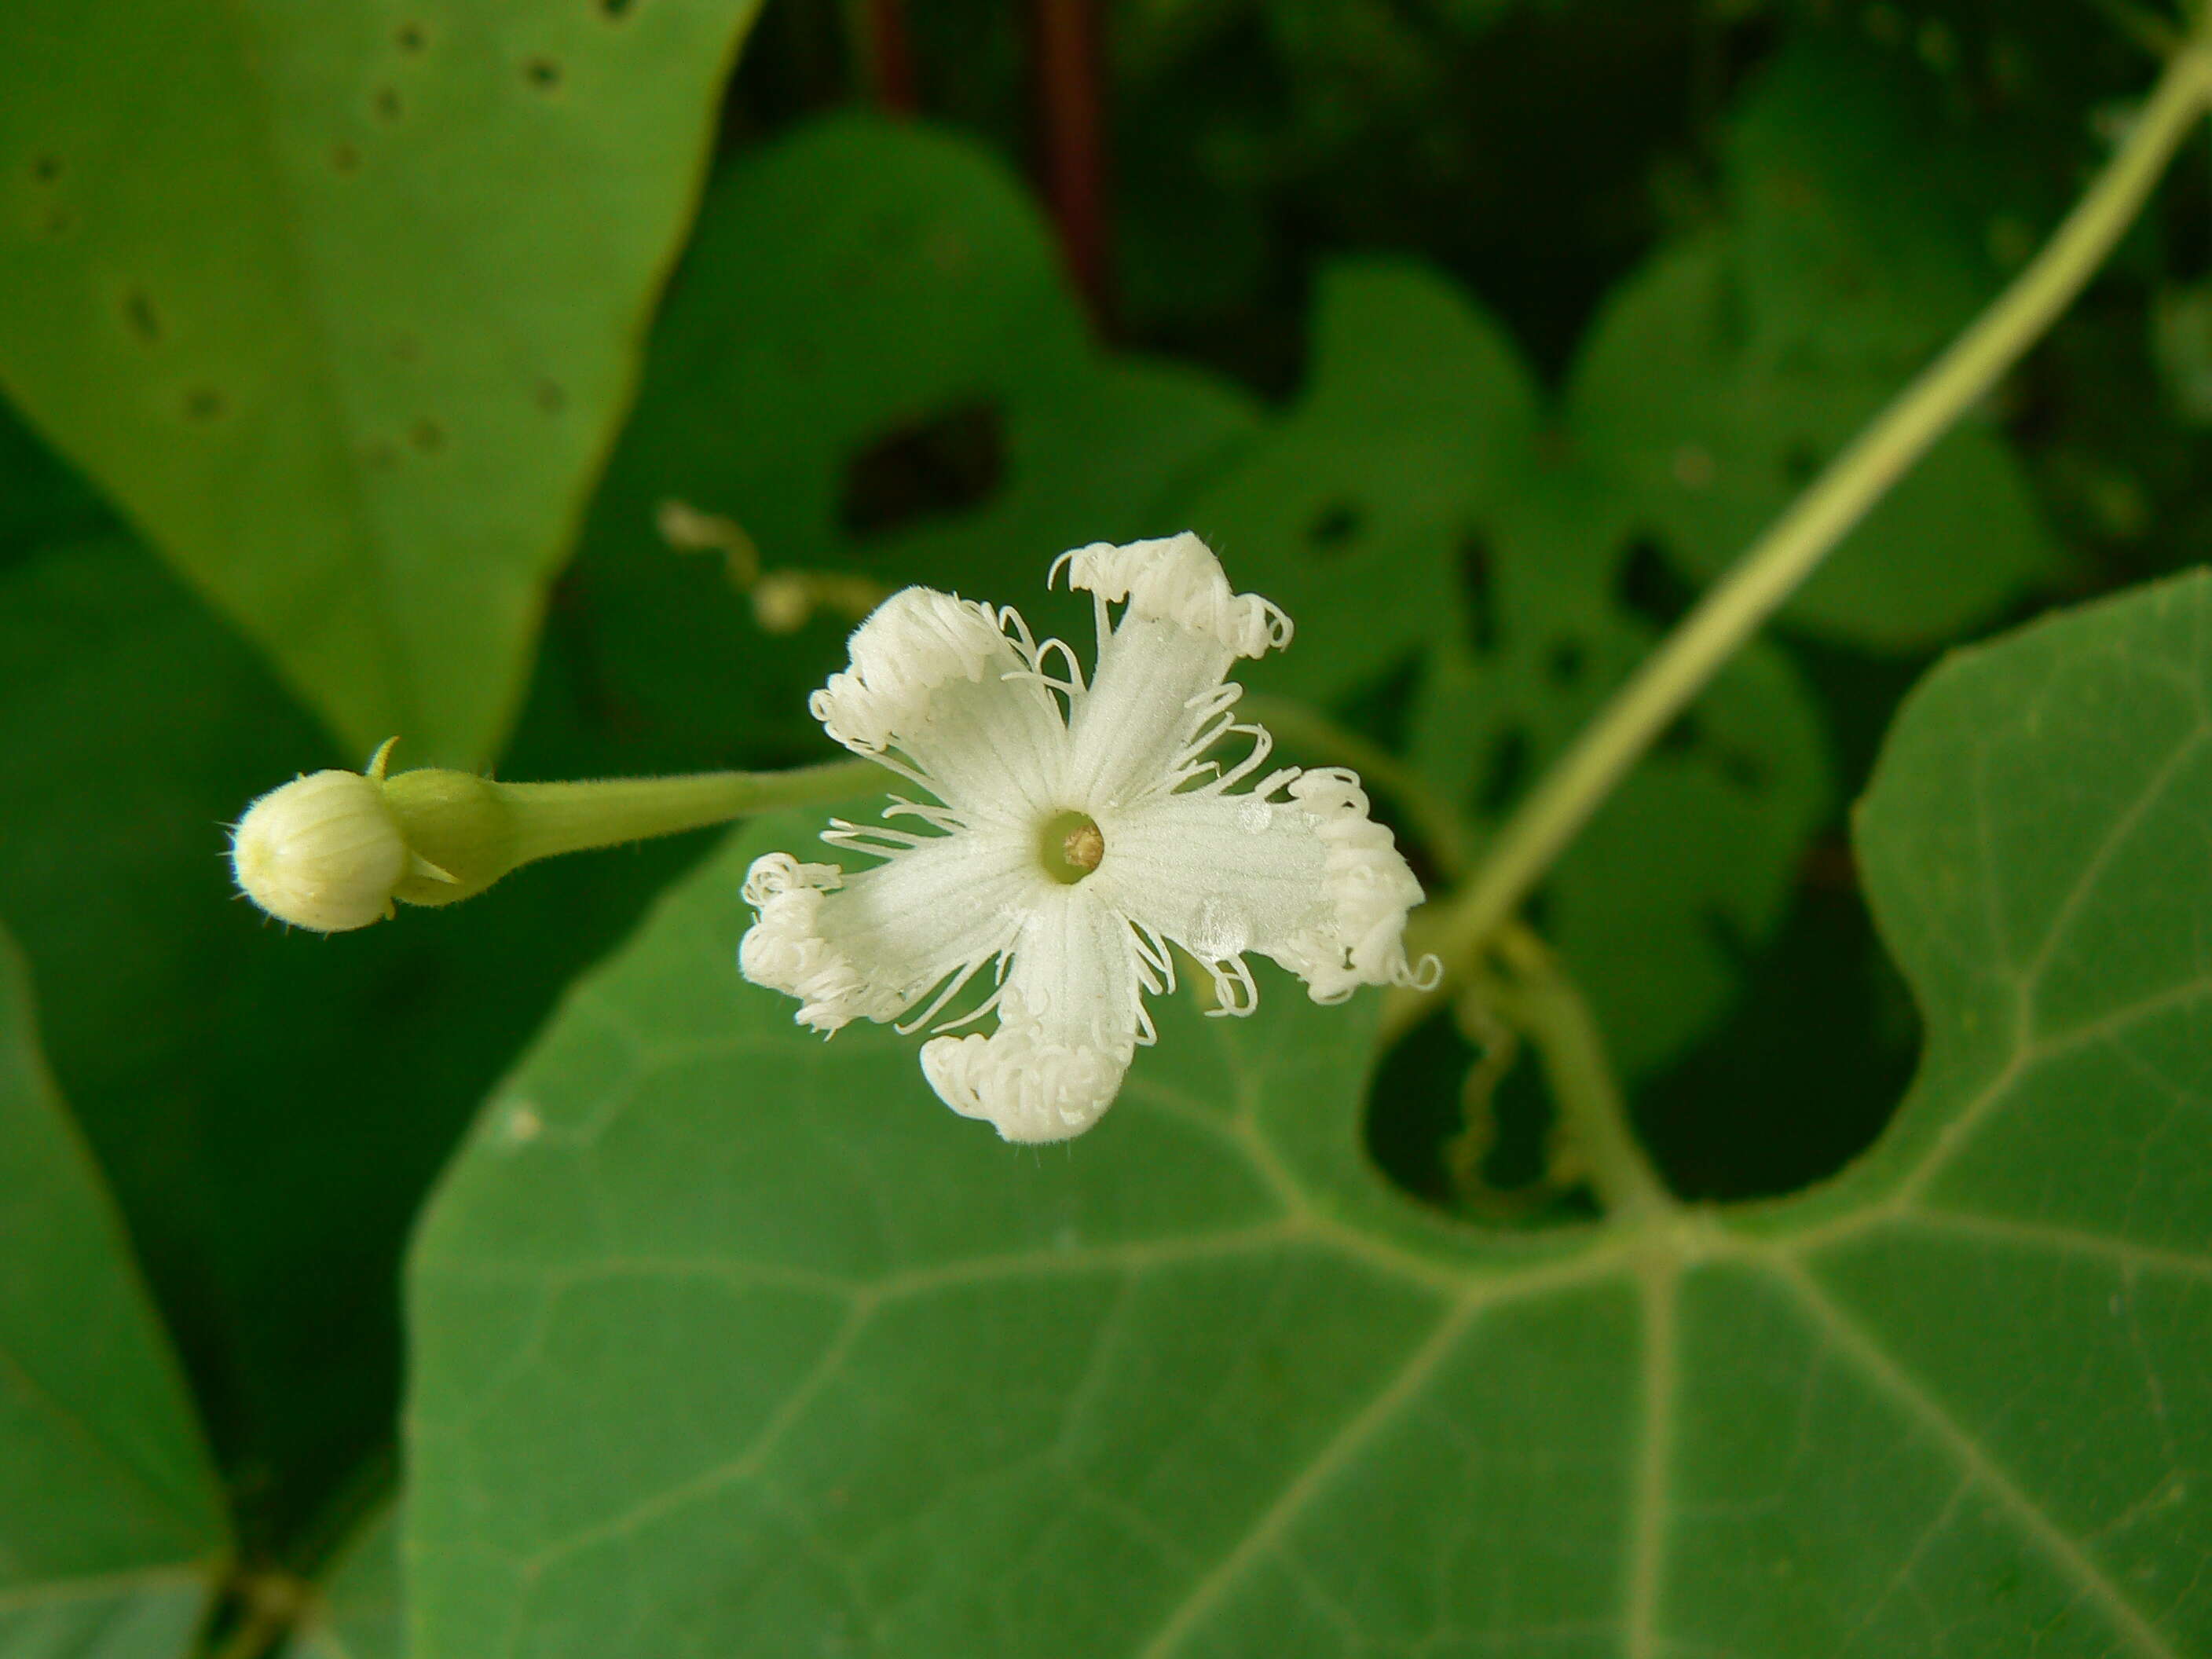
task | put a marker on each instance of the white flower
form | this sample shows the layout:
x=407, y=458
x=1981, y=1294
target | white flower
x=1081, y=831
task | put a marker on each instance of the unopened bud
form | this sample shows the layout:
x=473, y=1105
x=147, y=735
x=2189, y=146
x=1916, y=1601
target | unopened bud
x=322, y=852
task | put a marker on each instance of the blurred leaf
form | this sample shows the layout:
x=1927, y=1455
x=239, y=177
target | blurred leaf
x=340, y=302
x=112, y=1538
x=1355, y=511
x=871, y=362
x=2181, y=343
x=1840, y=261
x=355, y=1611
x=853, y=1377
x=1410, y=505
x=269, y=1105
x=1712, y=433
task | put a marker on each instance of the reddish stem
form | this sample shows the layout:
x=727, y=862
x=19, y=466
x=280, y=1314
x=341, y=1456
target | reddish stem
x=1065, y=45
x=890, y=58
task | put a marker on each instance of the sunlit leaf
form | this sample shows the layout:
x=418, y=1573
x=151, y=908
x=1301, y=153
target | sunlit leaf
x=113, y=1536
x=728, y=1339
x=341, y=303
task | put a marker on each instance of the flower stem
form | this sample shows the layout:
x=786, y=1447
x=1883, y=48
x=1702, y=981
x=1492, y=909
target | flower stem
x=552, y=818
x=1551, y=817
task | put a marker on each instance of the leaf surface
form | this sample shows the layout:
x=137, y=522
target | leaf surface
x=113, y=1536
x=730, y=1339
x=341, y=303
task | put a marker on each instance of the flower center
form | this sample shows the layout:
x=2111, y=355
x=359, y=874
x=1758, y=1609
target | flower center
x=1070, y=846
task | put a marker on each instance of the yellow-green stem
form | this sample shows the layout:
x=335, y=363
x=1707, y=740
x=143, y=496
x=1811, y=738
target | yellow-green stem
x=1778, y=563
x=552, y=818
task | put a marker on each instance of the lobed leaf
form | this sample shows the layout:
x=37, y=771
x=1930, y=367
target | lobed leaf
x=728, y=1339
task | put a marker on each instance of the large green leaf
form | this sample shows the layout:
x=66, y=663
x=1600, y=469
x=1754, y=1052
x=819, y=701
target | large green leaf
x=342, y=303
x=730, y=1340
x=111, y=1529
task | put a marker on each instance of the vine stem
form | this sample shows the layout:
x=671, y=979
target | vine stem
x=1551, y=817
x=1543, y=1001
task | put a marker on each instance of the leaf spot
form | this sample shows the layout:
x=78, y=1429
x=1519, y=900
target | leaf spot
x=542, y=73
x=385, y=103
x=410, y=39
x=47, y=168
x=1565, y=662
x=615, y=10
x=1335, y=528
x=1483, y=629
x=427, y=435
x=138, y=311
x=203, y=405
x=549, y=397
x=344, y=158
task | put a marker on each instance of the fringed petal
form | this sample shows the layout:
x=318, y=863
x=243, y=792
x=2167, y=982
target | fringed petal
x=870, y=943
x=938, y=689
x=1069, y=1021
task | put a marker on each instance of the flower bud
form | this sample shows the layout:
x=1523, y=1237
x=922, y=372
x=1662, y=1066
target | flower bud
x=322, y=852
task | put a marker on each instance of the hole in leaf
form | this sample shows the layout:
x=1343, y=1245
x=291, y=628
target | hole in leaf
x=427, y=435
x=385, y=103
x=45, y=168
x=1504, y=772
x=932, y=470
x=203, y=404
x=1483, y=631
x=138, y=311
x=1647, y=586
x=411, y=38
x=1469, y=1137
x=1824, y=1022
x=1335, y=528
x=542, y=73
x=1565, y=663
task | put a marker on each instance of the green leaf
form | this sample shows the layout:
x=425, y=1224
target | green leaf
x=946, y=420
x=355, y=1611
x=1720, y=377
x=111, y=1531
x=1711, y=437
x=1408, y=506
x=348, y=321
x=730, y=1340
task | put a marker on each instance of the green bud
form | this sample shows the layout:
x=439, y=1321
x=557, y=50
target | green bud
x=334, y=850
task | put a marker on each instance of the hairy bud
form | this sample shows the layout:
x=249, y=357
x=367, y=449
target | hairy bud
x=322, y=852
